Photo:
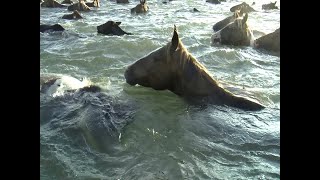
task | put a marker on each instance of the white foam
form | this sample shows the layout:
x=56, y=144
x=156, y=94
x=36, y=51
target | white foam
x=66, y=83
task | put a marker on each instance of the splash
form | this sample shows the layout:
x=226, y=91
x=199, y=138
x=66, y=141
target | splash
x=66, y=83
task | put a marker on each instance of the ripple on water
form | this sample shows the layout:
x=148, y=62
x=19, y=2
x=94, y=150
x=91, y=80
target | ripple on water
x=168, y=139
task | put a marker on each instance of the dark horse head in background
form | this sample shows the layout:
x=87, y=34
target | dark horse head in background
x=246, y=8
x=94, y=3
x=172, y=67
x=52, y=4
x=67, y=2
x=236, y=33
x=269, y=6
x=47, y=27
x=111, y=28
x=74, y=15
x=140, y=8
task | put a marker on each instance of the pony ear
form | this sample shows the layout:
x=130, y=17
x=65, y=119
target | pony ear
x=244, y=20
x=118, y=23
x=175, y=40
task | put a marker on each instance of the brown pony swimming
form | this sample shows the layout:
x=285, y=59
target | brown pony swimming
x=94, y=3
x=172, y=67
x=269, y=42
x=74, y=15
x=140, y=8
x=236, y=33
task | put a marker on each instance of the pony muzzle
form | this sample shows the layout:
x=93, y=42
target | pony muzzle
x=129, y=77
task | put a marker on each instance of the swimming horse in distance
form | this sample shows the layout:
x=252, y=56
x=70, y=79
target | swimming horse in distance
x=172, y=67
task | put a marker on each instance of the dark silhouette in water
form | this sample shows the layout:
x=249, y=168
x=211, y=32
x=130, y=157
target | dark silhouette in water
x=94, y=3
x=172, y=67
x=237, y=34
x=86, y=115
x=122, y=1
x=195, y=10
x=67, y=2
x=142, y=7
x=55, y=27
x=270, y=6
x=214, y=1
x=74, y=15
x=243, y=6
x=52, y=4
x=269, y=42
x=111, y=28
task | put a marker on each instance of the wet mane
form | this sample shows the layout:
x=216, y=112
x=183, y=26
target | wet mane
x=186, y=59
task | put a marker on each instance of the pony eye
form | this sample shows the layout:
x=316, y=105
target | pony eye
x=58, y=85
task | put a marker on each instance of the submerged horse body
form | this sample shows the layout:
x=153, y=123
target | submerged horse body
x=48, y=27
x=85, y=110
x=74, y=15
x=111, y=28
x=173, y=68
x=269, y=42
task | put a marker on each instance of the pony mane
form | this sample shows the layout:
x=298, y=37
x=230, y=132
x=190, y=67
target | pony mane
x=186, y=59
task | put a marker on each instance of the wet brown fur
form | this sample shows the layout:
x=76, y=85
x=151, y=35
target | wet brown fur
x=269, y=42
x=172, y=67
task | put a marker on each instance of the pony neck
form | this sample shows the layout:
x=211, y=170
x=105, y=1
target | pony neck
x=192, y=79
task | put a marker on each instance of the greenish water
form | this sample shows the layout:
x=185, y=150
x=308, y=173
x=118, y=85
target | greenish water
x=164, y=138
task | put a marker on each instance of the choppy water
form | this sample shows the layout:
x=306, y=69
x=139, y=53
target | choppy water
x=164, y=138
